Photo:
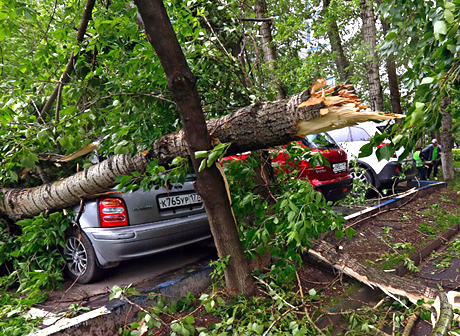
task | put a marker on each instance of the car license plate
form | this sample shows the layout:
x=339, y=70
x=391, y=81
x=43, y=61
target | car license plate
x=178, y=200
x=339, y=167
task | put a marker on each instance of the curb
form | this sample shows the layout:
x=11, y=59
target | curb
x=426, y=187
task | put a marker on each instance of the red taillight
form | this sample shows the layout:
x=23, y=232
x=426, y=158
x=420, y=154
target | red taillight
x=386, y=143
x=112, y=212
x=397, y=170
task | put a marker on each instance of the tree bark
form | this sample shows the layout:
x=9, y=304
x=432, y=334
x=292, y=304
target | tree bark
x=259, y=126
x=393, y=85
x=447, y=142
x=372, y=63
x=268, y=47
x=371, y=276
x=390, y=284
x=210, y=182
x=341, y=61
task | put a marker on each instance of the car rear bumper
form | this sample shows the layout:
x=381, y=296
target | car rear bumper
x=389, y=173
x=113, y=245
x=336, y=189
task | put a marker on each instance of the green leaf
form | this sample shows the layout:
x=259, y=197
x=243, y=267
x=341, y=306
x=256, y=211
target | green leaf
x=397, y=138
x=449, y=16
x=202, y=165
x=453, y=30
x=189, y=319
x=212, y=158
x=440, y=28
x=366, y=150
x=42, y=135
x=3, y=15
x=291, y=216
x=390, y=36
x=417, y=114
x=427, y=80
x=350, y=232
x=29, y=160
x=450, y=6
x=384, y=152
x=200, y=154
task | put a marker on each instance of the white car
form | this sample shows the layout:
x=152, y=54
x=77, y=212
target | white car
x=381, y=174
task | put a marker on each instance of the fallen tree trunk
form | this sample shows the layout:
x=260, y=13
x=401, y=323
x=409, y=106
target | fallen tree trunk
x=259, y=126
x=390, y=284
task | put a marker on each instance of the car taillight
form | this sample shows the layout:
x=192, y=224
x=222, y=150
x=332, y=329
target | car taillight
x=397, y=170
x=386, y=143
x=112, y=212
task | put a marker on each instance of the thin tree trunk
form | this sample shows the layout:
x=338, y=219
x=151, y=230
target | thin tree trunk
x=447, y=142
x=372, y=63
x=268, y=47
x=65, y=78
x=210, y=182
x=341, y=61
x=395, y=95
x=260, y=126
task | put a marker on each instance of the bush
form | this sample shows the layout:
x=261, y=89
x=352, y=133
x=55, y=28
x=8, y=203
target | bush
x=456, y=154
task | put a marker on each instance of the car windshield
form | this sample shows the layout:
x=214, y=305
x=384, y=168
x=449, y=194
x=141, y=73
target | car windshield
x=320, y=141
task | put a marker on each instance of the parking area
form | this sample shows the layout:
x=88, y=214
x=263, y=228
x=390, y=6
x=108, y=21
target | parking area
x=143, y=273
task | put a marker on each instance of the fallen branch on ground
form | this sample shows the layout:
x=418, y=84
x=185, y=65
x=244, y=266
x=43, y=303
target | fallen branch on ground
x=392, y=285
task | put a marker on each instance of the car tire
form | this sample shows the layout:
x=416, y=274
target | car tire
x=365, y=176
x=81, y=263
x=362, y=174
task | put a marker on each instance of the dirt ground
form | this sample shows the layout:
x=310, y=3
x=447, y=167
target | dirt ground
x=384, y=240
x=387, y=239
x=392, y=235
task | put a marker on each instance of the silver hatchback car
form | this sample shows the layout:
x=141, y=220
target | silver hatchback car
x=123, y=226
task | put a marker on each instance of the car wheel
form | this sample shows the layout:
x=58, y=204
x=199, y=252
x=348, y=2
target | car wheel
x=363, y=175
x=81, y=263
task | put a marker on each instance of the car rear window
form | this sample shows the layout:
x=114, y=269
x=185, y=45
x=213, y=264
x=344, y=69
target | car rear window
x=320, y=141
x=341, y=134
x=359, y=134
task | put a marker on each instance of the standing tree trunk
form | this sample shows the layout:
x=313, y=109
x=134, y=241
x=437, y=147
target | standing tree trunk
x=268, y=47
x=395, y=96
x=372, y=63
x=447, y=141
x=341, y=61
x=210, y=182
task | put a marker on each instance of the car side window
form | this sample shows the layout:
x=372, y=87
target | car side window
x=341, y=134
x=359, y=134
x=319, y=141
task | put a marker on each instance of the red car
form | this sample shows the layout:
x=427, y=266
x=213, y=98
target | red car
x=333, y=181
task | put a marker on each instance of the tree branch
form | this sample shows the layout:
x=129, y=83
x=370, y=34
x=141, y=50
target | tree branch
x=65, y=78
x=269, y=19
